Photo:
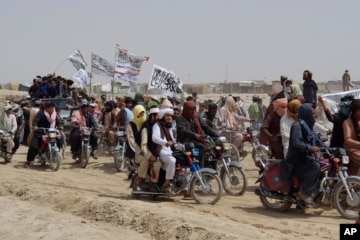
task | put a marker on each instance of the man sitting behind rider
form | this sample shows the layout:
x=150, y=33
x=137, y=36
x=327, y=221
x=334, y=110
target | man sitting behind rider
x=138, y=135
x=163, y=136
x=229, y=119
x=44, y=119
x=108, y=119
x=303, y=144
x=9, y=124
x=82, y=119
x=190, y=128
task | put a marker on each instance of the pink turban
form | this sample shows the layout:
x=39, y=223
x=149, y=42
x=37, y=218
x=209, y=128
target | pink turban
x=280, y=103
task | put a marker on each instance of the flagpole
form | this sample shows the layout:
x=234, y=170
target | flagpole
x=113, y=80
x=60, y=64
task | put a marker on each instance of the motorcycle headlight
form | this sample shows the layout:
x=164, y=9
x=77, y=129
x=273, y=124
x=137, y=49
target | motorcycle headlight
x=52, y=135
x=255, y=133
x=227, y=146
x=345, y=159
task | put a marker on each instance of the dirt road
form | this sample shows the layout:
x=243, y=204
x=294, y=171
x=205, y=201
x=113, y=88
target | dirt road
x=95, y=203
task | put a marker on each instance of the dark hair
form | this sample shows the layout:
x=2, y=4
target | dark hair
x=189, y=98
x=309, y=73
x=50, y=104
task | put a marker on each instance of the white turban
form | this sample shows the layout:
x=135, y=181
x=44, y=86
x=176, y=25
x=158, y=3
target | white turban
x=164, y=111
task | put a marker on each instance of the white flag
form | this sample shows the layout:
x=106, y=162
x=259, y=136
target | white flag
x=164, y=81
x=101, y=66
x=82, y=77
x=77, y=60
x=127, y=66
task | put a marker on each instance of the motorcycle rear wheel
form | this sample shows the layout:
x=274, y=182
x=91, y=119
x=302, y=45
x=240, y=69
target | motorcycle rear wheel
x=212, y=190
x=85, y=156
x=274, y=204
x=55, y=160
x=118, y=159
x=346, y=207
x=235, y=183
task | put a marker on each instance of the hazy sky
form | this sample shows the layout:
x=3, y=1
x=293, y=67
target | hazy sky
x=196, y=39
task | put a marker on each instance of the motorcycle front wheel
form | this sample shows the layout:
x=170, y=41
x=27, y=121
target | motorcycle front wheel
x=235, y=182
x=118, y=159
x=259, y=153
x=210, y=191
x=55, y=160
x=85, y=156
x=347, y=208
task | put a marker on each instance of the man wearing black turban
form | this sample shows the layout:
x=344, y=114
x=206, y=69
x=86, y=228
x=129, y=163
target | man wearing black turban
x=303, y=144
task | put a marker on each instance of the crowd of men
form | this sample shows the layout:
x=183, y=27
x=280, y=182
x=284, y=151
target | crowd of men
x=153, y=125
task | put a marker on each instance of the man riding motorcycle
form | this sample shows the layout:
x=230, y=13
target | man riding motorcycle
x=44, y=119
x=108, y=119
x=191, y=128
x=82, y=119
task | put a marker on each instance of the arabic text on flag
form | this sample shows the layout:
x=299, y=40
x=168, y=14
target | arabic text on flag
x=82, y=77
x=163, y=80
x=127, y=66
x=101, y=66
x=77, y=60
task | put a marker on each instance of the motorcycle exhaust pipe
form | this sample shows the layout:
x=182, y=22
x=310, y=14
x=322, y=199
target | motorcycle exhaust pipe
x=275, y=195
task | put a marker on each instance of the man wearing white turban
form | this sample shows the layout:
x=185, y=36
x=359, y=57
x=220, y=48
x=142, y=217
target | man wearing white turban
x=163, y=137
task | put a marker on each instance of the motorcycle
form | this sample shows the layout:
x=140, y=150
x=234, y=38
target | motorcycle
x=85, y=150
x=203, y=184
x=334, y=186
x=4, y=136
x=103, y=143
x=49, y=151
x=252, y=136
x=119, y=149
x=231, y=172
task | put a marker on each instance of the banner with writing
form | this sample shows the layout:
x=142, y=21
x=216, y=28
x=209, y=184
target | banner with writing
x=333, y=99
x=77, y=60
x=82, y=77
x=164, y=81
x=127, y=66
x=101, y=66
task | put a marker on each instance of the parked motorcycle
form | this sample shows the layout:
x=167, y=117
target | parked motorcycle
x=49, y=151
x=119, y=149
x=4, y=136
x=231, y=172
x=334, y=186
x=204, y=184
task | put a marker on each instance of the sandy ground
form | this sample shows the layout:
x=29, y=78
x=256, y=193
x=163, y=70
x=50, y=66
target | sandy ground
x=96, y=203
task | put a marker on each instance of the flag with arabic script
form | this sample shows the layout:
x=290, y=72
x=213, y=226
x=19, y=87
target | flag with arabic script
x=127, y=66
x=82, y=77
x=164, y=81
x=77, y=60
x=101, y=66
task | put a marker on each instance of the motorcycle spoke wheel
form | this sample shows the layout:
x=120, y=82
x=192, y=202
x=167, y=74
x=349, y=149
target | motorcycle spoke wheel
x=275, y=204
x=55, y=160
x=235, y=154
x=118, y=160
x=235, y=182
x=210, y=192
x=348, y=208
